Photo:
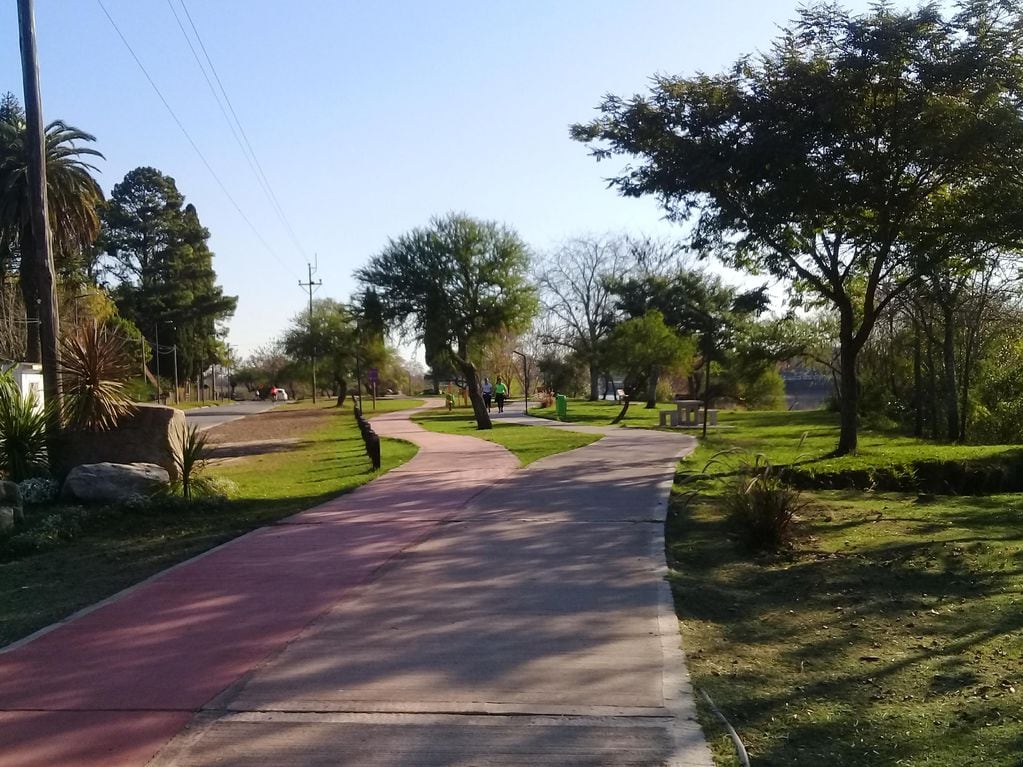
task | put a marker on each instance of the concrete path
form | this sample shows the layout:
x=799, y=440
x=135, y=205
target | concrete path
x=454, y=612
x=208, y=417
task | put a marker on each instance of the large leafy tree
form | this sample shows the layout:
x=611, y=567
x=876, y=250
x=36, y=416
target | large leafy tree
x=157, y=253
x=73, y=196
x=643, y=344
x=329, y=334
x=455, y=285
x=819, y=161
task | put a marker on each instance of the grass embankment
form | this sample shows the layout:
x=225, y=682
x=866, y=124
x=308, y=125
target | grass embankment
x=527, y=443
x=891, y=635
x=114, y=549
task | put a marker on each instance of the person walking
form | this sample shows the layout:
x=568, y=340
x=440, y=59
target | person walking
x=488, y=392
x=500, y=394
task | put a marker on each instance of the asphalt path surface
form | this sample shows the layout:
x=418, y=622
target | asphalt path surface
x=208, y=417
x=459, y=611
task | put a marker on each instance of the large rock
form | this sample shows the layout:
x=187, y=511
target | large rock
x=113, y=482
x=151, y=435
x=10, y=505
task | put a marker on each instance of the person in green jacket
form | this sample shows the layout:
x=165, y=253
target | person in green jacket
x=500, y=394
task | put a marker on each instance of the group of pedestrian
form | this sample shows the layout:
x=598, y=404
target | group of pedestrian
x=496, y=392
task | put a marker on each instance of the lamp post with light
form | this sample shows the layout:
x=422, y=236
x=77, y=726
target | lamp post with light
x=525, y=380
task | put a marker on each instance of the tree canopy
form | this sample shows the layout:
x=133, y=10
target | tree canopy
x=454, y=286
x=157, y=253
x=823, y=160
x=73, y=197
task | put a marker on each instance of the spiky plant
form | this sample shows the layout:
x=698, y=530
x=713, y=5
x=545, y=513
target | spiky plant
x=22, y=432
x=94, y=364
x=190, y=457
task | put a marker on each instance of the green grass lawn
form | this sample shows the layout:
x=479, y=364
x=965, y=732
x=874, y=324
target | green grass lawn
x=601, y=412
x=891, y=635
x=804, y=438
x=117, y=549
x=527, y=443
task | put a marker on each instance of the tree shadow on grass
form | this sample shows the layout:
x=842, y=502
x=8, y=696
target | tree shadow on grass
x=904, y=647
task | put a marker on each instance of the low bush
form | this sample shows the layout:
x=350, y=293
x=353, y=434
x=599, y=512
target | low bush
x=36, y=491
x=214, y=488
x=22, y=435
x=760, y=505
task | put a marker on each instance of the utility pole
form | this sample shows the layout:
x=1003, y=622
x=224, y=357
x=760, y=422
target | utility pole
x=49, y=322
x=156, y=351
x=312, y=337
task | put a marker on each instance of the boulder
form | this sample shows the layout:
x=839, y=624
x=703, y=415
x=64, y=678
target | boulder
x=113, y=482
x=151, y=435
x=10, y=505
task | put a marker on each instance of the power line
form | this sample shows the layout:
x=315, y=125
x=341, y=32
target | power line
x=188, y=136
x=242, y=140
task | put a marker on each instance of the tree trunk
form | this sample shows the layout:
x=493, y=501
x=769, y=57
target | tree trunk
x=651, y=387
x=342, y=392
x=918, y=384
x=849, y=399
x=609, y=385
x=594, y=383
x=30, y=297
x=932, y=388
x=625, y=409
x=472, y=385
x=951, y=388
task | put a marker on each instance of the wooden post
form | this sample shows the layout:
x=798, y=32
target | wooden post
x=49, y=322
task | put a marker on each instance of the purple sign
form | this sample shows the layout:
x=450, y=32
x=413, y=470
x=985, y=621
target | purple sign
x=373, y=375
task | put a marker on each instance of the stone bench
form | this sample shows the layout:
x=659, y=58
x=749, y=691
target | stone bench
x=668, y=418
x=712, y=417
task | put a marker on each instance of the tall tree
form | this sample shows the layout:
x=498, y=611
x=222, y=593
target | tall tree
x=455, y=285
x=73, y=196
x=644, y=344
x=574, y=292
x=817, y=161
x=157, y=252
x=329, y=330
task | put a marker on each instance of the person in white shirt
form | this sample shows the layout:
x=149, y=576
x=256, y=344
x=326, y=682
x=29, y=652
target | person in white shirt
x=488, y=392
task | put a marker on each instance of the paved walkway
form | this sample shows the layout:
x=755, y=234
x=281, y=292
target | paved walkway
x=454, y=612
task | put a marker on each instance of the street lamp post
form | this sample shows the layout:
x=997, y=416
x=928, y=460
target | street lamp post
x=525, y=381
x=156, y=353
x=175, y=374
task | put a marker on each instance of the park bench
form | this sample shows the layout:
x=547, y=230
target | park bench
x=620, y=394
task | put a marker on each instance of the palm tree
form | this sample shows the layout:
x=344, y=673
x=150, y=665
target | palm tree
x=73, y=193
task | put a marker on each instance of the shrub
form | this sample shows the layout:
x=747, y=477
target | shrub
x=94, y=364
x=214, y=488
x=22, y=432
x=191, y=456
x=761, y=507
x=38, y=490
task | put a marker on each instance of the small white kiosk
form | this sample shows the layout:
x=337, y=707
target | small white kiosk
x=28, y=377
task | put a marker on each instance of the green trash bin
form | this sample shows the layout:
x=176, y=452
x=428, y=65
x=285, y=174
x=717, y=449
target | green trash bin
x=561, y=406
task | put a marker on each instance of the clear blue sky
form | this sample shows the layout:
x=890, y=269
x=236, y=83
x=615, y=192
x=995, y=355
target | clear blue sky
x=369, y=118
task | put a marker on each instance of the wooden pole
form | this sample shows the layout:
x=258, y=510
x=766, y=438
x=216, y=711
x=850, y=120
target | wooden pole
x=49, y=322
x=312, y=336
